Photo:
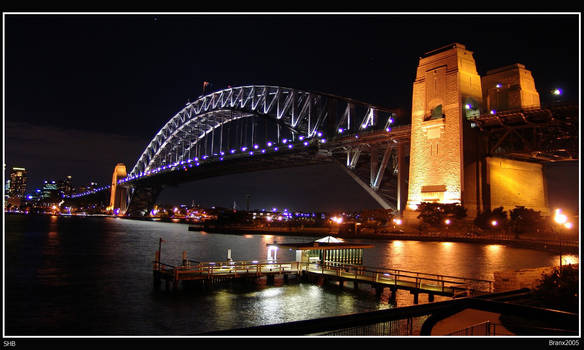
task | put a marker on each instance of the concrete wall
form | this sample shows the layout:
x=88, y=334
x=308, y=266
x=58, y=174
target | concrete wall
x=516, y=183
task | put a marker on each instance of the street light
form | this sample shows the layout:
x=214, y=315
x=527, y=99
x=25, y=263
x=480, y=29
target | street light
x=562, y=221
x=447, y=222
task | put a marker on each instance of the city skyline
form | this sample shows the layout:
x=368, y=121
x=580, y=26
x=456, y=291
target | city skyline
x=105, y=89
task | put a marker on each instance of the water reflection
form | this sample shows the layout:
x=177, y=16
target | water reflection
x=95, y=258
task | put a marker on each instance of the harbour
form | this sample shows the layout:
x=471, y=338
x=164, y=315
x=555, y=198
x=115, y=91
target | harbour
x=94, y=275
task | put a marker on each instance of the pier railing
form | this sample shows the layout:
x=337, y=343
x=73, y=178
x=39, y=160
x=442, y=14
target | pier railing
x=428, y=282
x=198, y=270
x=405, y=279
x=483, y=328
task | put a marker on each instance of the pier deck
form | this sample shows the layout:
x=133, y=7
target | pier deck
x=379, y=278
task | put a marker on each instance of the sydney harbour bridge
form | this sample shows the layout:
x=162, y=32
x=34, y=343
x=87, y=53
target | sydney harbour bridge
x=257, y=127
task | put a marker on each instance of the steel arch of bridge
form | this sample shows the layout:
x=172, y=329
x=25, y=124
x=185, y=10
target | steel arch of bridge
x=304, y=113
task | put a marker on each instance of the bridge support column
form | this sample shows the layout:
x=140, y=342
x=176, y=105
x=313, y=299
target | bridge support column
x=415, y=297
x=430, y=297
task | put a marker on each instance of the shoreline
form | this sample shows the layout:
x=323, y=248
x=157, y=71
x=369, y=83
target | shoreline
x=545, y=245
x=526, y=243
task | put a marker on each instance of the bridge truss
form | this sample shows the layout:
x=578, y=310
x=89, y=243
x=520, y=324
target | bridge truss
x=254, y=118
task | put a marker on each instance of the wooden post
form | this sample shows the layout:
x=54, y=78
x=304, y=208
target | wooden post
x=378, y=291
x=160, y=249
x=393, y=290
x=430, y=297
x=416, y=298
x=157, y=260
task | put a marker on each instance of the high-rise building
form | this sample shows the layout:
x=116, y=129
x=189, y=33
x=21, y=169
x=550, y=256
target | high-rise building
x=65, y=186
x=50, y=191
x=17, y=182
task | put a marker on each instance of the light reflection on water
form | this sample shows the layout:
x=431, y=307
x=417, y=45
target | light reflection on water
x=92, y=276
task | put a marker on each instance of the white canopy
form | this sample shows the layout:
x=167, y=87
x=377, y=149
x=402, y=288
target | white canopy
x=329, y=239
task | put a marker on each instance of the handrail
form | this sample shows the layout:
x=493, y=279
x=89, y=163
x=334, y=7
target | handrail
x=486, y=326
x=339, y=269
x=418, y=274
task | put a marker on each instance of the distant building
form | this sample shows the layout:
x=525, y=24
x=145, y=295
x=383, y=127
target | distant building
x=16, y=187
x=50, y=191
x=65, y=186
x=17, y=182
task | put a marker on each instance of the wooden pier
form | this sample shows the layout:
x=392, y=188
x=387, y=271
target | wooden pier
x=379, y=278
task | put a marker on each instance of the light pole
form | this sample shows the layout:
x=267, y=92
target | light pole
x=562, y=220
x=447, y=222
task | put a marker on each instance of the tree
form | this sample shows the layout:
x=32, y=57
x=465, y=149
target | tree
x=375, y=218
x=559, y=289
x=435, y=214
x=524, y=220
x=485, y=219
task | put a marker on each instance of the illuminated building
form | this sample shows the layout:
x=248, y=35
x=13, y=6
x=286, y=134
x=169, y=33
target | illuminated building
x=50, y=192
x=65, y=186
x=16, y=187
x=17, y=182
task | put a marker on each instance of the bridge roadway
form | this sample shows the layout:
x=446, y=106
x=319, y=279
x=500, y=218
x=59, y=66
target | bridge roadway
x=378, y=278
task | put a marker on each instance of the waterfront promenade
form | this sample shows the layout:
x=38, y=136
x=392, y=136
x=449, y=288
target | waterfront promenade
x=548, y=242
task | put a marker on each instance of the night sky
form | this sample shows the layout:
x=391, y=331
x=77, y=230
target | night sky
x=84, y=92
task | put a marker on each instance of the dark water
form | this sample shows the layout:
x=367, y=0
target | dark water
x=93, y=276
